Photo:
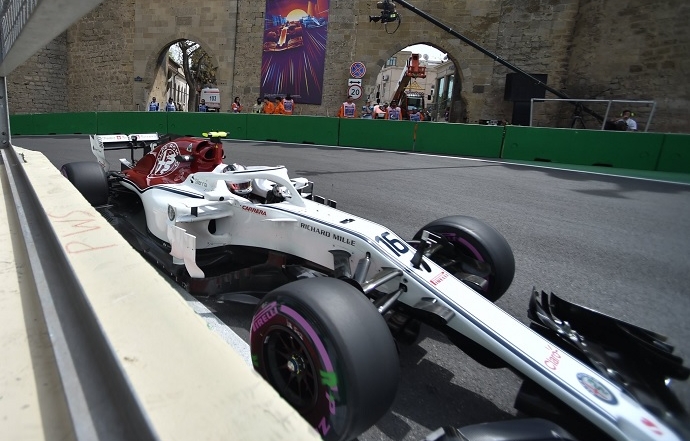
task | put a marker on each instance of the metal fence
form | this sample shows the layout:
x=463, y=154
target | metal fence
x=580, y=109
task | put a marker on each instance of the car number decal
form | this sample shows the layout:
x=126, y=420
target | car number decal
x=397, y=247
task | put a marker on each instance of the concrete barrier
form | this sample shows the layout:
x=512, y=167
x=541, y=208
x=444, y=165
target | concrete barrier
x=194, y=124
x=54, y=123
x=293, y=129
x=376, y=134
x=459, y=139
x=188, y=381
x=675, y=154
x=627, y=150
x=132, y=122
x=631, y=150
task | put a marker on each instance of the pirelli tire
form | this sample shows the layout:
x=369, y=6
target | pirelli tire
x=90, y=179
x=328, y=352
x=474, y=241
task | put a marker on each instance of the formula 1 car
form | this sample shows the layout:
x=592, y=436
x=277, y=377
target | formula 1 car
x=335, y=293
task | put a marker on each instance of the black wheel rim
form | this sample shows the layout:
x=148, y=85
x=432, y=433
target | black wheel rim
x=482, y=267
x=291, y=368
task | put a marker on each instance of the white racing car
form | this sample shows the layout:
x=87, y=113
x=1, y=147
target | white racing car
x=335, y=293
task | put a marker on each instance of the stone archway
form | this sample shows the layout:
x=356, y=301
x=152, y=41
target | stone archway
x=212, y=25
x=153, y=75
x=461, y=72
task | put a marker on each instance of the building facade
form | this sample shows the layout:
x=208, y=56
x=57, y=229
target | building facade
x=628, y=50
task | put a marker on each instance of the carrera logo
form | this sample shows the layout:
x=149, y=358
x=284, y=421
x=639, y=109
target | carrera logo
x=440, y=278
x=254, y=210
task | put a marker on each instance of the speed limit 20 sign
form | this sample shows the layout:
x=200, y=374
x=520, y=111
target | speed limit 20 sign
x=355, y=91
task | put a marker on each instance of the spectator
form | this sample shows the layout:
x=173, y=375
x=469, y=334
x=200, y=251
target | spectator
x=289, y=105
x=380, y=111
x=627, y=122
x=415, y=115
x=268, y=106
x=236, y=106
x=367, y=110
x=279, y=108
x=170, y=105
x=153, y=105
x=202, y=106
x=394, y=112
x=256, y=108
x=348, y=109
x=446, y=114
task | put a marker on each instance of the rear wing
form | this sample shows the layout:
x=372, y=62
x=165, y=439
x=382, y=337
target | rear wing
x=101, y=143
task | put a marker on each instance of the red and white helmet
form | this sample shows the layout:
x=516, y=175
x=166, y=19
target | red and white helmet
x=239, y=188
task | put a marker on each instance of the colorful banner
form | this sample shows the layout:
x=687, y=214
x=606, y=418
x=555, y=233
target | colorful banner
x=294, y=49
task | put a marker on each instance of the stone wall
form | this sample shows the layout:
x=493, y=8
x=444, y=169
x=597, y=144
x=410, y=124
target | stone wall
x=637, y=50
x=100, y=58
x=39, y=85
x=247, y=71
x=534, y=36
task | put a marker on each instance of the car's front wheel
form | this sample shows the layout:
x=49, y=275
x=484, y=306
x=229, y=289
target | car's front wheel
x=475, y=253
x=328, y=352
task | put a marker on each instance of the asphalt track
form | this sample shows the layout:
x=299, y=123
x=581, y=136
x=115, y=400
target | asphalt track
x=612, y=243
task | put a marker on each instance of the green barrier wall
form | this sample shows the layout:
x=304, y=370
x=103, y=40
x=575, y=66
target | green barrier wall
x=132, y=122
x=295, y=129
x=194, y=124
x=377, y=134
x=675, y=154
x=54, y=123
x=23, y=125
x=632, y=150
x=459, y=139
x=640, y=151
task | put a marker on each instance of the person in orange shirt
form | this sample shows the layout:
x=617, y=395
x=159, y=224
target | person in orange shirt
x=289, y=105
x=279, y=107
x=268, y=106
x=348, y=109
x=236, y=106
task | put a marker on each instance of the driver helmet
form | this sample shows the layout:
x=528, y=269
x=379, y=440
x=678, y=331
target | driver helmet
x=239, y=188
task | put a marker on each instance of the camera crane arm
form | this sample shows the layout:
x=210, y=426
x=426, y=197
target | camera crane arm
x=486, y=52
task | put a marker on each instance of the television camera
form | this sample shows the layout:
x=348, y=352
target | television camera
x=388, y=12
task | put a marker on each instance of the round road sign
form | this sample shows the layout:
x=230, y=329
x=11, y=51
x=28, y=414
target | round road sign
x=355, y=91
x=357, y=69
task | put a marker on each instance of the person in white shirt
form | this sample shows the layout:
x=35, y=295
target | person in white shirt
x=631, y=124
x=153, y=105
x=380, y=111
x=394, y=112
x=170, y=106
x=348, y=109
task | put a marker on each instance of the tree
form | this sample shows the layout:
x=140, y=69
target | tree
x=199, y=70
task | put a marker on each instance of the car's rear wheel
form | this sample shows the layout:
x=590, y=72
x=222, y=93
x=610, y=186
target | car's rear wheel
x=328, y=352
x=90, y=179
x=476, y=253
